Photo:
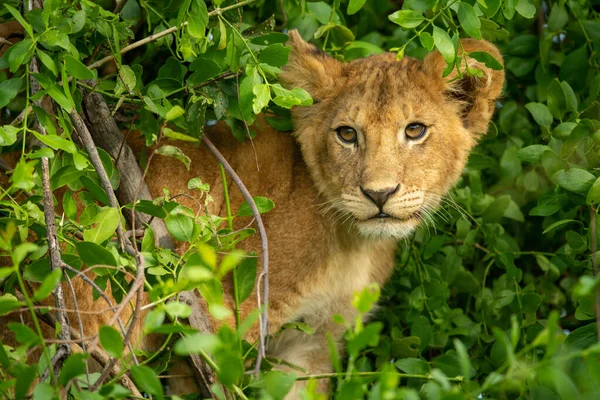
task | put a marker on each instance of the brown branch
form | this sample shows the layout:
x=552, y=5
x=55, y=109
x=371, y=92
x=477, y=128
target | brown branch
x=90, y=146
x=166, y=32
x=108, y=136
x=62, y=350
x=263, y=324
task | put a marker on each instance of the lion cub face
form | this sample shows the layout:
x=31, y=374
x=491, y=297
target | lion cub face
x=386, y=139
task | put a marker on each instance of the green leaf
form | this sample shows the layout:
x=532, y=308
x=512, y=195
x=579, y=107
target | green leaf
x=245, y=277
x=525, y=8
x=558, y=17
x=78, y=69
x=546, y=206
x=8, y=135
x=593, y=196
x=17, y=15
x=487, y=59
x=8, y=303
x=73, y=366
x=263, y=205
x=93, y=254
x=56, y=142
x=174, y=152
x=43, y=391
x=148, y=207
x=177, y=309
x=204, y=69
x=556, y=99
x=444, y=44
x=174, y=113
x=413, y=366
x=47, y=61
x=557, y=224
x=407, y=19
x=262, y=97
x=197, y=343
x=575, y=180
x=463, y=358
x=426, y=41
x=127, y=80
x=9, y=89
x=146, y=380
x=276, y=55
x=540, y=114
x=48, y=285
x=24, y=334
x=197, y=19
x=53, y=39
x=288, y=98
x=26, y=376
x=112, y=341
x=354, y=6
x=570, y=97
x=106, y=223
x=582, y=338
x=469, y=20
x=533, y=153
x=180, y=227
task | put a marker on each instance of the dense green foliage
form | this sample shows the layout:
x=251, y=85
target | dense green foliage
x=496, y=298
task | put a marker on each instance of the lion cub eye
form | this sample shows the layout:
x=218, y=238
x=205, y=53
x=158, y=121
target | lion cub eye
x=415, y=130
x=347, y=135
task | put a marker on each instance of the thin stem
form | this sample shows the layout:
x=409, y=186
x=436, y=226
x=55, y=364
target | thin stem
x=376, y=373
x=236, y=296
x=593, y=212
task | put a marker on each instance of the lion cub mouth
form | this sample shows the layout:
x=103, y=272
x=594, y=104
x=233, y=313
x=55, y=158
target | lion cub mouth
x=383, y=216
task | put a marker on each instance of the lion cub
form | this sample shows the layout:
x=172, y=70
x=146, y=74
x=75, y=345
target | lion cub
x=382, y=143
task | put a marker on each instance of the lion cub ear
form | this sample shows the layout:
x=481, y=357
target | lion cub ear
x=309, y=68
x=476, y=94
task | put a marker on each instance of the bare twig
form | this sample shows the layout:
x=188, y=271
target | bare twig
x=112, y=307
x=99, y=355
x=62, y=350
x=593, y=212
x=166, y=32
x=263, y=323
x=19, y=118
x=79, y=323
x=136, y=288
x=90, y=146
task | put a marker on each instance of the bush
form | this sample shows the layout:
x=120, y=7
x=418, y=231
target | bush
x=499, y=298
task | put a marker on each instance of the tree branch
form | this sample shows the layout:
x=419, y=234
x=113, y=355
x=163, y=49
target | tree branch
x=263, y=323
x=62, y=350
x=90, y=146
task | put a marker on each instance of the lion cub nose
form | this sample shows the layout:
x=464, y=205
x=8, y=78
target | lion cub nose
x=379, y=197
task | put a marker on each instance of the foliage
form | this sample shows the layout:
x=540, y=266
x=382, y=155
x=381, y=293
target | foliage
x=496, y=299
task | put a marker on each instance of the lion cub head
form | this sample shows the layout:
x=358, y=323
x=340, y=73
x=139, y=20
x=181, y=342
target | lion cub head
x=384, y=139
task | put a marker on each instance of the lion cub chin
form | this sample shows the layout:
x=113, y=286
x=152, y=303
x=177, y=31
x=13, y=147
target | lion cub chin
x=381, y=145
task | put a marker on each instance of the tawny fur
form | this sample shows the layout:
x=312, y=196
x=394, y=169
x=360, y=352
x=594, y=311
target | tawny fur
x=324, y=244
